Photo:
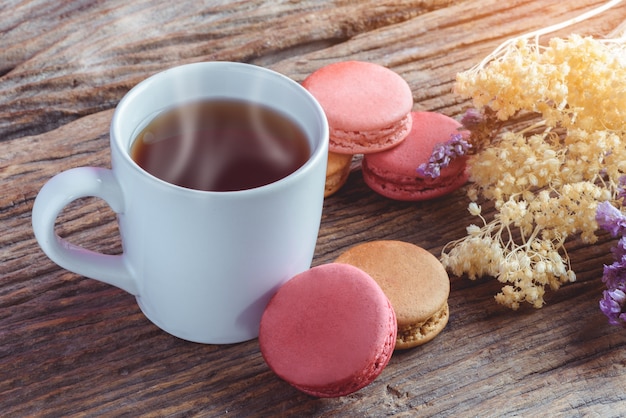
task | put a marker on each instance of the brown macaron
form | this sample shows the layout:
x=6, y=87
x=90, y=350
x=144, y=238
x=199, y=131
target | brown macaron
x=415, y=282
x=337, y=172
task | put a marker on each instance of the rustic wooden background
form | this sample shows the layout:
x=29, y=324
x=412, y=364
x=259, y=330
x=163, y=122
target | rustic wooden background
x=71, y=346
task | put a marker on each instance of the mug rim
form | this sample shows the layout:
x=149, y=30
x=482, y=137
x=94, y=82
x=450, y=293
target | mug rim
x=319, y=151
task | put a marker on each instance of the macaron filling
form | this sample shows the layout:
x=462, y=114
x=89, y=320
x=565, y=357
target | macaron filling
x=355, y=142
x=422, y=332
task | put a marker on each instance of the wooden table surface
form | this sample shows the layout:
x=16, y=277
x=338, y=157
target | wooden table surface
x=71, y=346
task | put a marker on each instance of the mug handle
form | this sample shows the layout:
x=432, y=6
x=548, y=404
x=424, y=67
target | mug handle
x=57, y=193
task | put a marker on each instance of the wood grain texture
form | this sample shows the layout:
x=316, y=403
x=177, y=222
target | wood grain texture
x=71, y=346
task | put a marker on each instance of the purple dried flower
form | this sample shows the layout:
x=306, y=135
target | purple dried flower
x=619, y=251
x=443, y=154
x=622, y=188
x=472, y=118
x=613, y=302
x=610, y=218
x=439, y=152
x=614, y=274
x=612, y=306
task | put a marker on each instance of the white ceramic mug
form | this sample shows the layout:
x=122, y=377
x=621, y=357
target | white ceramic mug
x=202, y=265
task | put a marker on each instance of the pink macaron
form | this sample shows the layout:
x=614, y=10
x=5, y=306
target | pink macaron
x=393, y=173
x=329, y=331
x=367, y=105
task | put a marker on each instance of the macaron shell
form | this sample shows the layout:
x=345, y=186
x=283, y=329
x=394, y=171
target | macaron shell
x=366, y=105
x=360, y=96
x=367, y=375
x=413, y=279
x=328, y=331
x=393, y=173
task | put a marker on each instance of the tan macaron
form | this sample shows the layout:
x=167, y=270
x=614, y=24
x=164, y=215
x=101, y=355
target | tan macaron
x=415, y=282
x=337, y=172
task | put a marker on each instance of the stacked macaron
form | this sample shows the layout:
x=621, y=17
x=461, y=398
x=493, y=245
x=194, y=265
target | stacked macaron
x=368, y=108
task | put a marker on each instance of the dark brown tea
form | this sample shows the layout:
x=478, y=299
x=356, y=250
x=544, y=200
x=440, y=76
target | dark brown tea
x=221, y=145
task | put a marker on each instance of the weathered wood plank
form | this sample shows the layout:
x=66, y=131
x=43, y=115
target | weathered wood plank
x=73, y=346
x=83, y=57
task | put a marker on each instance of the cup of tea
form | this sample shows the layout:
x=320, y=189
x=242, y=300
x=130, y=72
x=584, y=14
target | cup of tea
x=217, y=180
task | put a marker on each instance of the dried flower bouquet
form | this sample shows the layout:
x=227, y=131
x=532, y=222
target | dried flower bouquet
x=546, y=179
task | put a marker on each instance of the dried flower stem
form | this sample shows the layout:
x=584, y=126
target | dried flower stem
x=503, y=47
